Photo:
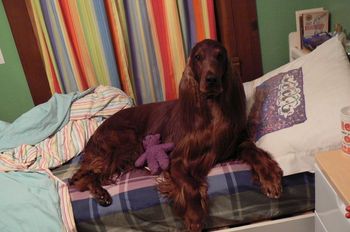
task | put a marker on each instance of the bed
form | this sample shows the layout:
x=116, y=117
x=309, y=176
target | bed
x=292, y=131
x=234, y=200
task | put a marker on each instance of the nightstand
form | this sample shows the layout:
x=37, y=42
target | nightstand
x=332, y=178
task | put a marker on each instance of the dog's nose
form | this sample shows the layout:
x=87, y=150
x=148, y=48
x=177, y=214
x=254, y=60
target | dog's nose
x=211, y=80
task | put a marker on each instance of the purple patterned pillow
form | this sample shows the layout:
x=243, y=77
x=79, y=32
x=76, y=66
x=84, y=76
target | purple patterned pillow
x=284, y=105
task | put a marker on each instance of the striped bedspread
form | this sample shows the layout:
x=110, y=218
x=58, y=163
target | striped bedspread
x=234, y=200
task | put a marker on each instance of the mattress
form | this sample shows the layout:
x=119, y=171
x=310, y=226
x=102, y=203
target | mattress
x=233, y=200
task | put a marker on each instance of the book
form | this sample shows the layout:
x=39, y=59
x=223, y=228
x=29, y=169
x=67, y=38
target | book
x=315, y=23
x=300, y=15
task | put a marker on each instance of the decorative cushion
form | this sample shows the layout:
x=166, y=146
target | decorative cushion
x=312, y=122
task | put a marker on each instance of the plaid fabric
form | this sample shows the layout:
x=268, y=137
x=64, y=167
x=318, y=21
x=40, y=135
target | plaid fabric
x=234, y=200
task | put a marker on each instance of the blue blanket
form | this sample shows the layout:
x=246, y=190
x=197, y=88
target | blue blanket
x=29, y=202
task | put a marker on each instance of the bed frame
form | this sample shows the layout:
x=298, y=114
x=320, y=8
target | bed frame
x=300, y=223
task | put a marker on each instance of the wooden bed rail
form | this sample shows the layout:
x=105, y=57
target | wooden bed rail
x=28, y=49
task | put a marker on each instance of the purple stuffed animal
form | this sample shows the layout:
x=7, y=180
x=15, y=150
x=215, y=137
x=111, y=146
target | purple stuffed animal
x=155, y=155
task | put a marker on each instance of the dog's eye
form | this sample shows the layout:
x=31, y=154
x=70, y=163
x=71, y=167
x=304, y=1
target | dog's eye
x=198, y=57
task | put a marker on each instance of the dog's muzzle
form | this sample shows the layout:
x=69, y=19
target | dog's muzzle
x=211, y=86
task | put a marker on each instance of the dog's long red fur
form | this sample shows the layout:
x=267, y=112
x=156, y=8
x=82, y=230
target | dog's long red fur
x=207, y=124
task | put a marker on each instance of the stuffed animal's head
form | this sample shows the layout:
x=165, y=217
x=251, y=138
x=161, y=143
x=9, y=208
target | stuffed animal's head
x=151, y=140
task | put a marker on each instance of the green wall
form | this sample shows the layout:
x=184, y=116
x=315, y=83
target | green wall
x=342, y=9
x=15, y=97
x=276, y=20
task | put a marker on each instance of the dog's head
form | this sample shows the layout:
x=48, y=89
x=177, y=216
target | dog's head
x=208, y=63
x=209, y=75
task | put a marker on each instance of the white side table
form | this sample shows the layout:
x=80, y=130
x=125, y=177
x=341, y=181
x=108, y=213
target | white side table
x=332, y=191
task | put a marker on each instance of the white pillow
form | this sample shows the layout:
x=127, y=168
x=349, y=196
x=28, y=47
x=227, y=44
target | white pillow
x=326, y=89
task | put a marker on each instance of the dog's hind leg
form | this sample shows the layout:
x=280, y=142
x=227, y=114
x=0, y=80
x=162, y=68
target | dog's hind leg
x=106, y=156
x=90, y=177
x=91, y=181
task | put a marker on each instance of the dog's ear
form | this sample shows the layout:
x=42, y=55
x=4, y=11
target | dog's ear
x=234, y=99
x=189, y=97
x=189, y=87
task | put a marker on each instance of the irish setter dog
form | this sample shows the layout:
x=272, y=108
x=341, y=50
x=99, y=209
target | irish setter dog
x=207, y=124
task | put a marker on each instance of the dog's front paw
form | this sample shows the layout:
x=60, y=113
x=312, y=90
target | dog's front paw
x=272, y=190
x=193, y=223
x=271, y=182
x=194, y=227
x=102, y=197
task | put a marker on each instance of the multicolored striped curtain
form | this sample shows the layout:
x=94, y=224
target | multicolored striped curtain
x=139, y=46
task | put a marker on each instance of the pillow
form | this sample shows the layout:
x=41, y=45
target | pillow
x=324, y=88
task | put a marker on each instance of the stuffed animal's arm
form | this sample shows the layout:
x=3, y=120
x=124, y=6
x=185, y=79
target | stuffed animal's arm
x=167, y=146
x=141, y=160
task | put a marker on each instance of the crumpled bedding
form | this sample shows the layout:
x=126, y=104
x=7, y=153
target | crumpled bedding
x=51, y=137
x=40, y=122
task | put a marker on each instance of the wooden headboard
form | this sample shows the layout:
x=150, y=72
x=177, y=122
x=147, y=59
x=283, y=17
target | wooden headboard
x=28, y=50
